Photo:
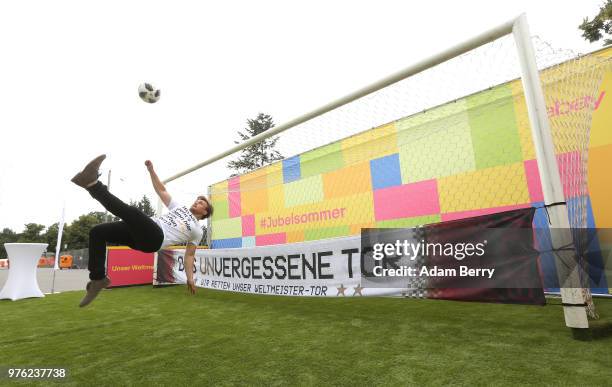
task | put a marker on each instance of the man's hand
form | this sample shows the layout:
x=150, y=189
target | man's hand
x=159, y=187
x=149, y=165
x=189, y=262
x=191, y=287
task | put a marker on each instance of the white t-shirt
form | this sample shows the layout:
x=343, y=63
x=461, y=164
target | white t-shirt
x=179, y=226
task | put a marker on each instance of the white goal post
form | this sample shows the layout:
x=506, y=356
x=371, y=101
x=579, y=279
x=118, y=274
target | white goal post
x=573, y=297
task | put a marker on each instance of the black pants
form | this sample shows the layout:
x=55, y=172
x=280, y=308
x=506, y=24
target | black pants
x=136, y=230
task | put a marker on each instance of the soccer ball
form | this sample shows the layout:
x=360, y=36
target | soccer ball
x=148, y=93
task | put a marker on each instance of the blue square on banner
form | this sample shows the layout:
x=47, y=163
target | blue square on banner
x=228, y=243
x=594, y=257
x=385, y=172
x=596, y=273
x=543, y=243
x=291, y=169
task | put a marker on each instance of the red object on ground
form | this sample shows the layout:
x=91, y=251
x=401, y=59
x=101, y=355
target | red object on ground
x=129, y=267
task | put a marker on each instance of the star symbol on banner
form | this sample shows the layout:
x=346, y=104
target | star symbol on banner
x=341, y=289
x=358, y=289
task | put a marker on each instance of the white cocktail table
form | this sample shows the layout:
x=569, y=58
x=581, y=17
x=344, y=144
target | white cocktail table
x=23, y=259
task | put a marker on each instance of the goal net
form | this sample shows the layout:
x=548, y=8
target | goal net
x=448, y=138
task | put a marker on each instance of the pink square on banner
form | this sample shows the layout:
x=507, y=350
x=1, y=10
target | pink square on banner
x=233, y=196
x=270, y=239
x=534, y=184
x=408, y=200
x=248, y=225
x=572, y=175
x=570, y=172
x=485, y=211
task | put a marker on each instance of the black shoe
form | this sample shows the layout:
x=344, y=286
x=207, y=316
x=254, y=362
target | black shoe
x=89, y=175
x=93, y=288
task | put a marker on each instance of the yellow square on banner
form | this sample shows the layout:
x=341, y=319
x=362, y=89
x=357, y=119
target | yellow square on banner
x=600, y=185
x=255, y=180
x=275, y=174
x=254, y=192
x=522, y=120
x=295, y=236
x=218, y=192
x=254, y=201
x=504, y=185
x=602, y=116
x=371, y=144
x=276, y=198
x=348, y=181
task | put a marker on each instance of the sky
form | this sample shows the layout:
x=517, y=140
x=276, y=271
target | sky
x=70, y=71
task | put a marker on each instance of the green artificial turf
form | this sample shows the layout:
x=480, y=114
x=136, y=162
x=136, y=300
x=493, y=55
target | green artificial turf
x=146, y=336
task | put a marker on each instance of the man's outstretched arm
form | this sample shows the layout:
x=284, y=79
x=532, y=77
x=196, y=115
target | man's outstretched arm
x=189, y=261
x=159, y=187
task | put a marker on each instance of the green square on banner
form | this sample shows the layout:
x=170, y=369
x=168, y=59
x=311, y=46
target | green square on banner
x=227, y=228
x=304, y=191
x=221, y=210
x=436, y=143
x=494, y=131
x=326, y=232
x=409, y=222
x=324, y=159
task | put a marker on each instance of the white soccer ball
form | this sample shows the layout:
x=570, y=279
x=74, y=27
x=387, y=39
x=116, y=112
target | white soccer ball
x=148, y=92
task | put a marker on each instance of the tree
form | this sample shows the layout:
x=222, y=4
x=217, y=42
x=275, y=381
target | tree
x=32, y=234
x=593, y=30
x=7, y=236
x=260, y=154
x=50, y=236
x=77, y=234
x=144, y=205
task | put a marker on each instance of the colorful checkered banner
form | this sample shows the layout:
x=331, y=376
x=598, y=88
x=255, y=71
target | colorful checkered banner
x=488, y=258
x=470, y=157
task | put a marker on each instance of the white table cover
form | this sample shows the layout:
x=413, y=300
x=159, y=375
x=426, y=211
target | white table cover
x=23, y=260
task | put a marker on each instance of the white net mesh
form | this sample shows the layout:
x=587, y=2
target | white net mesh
x=451, y=142
x=424, y=109
x=572, y=91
